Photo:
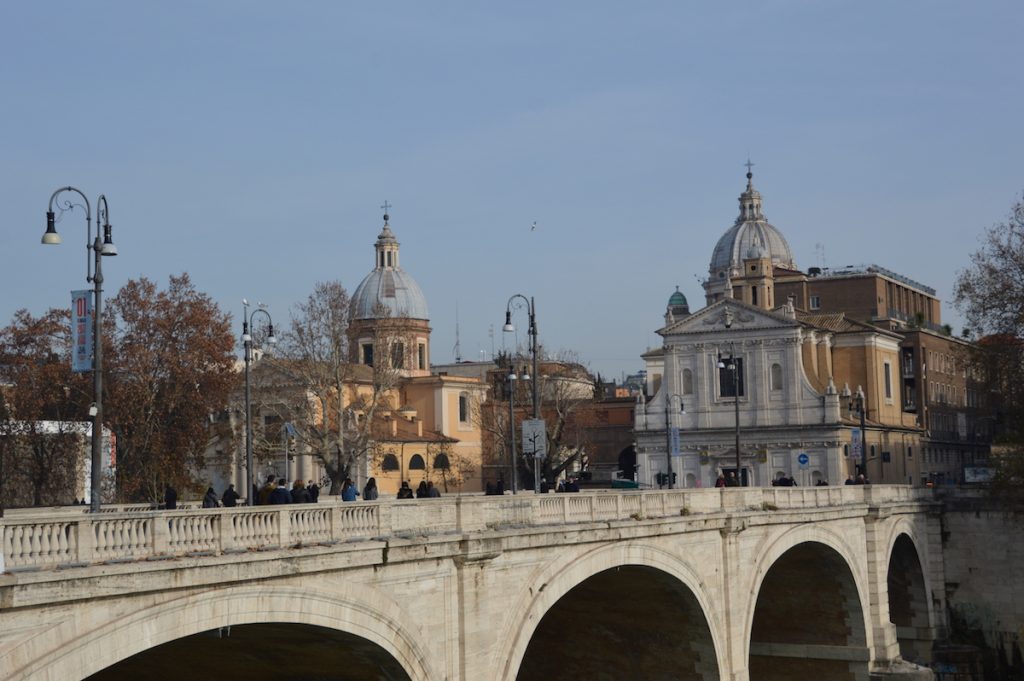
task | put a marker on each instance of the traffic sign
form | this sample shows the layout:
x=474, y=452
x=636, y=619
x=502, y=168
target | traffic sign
x=535, y=438
x=803, y=460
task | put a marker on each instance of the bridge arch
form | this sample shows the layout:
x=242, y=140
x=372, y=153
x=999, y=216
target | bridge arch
x=908, y=587
x=548, y=585
x=833, y=628
x=361, y=613
x=917, y=538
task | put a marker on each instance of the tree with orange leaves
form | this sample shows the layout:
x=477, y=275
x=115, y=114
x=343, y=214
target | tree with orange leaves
x=170, y=365
x=43, y=412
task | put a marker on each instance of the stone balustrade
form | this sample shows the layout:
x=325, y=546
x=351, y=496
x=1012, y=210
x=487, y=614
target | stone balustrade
x=64, y=538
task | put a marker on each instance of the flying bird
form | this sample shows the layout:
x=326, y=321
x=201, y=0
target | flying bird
x=533, y=226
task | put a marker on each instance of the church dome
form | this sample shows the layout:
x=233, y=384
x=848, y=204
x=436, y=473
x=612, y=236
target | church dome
x=751, y=236
x=388, y=291
x=677, y=298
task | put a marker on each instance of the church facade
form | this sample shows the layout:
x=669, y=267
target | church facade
x=753, y=375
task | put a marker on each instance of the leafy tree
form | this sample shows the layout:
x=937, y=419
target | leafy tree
x=457, y=471
x=306, y=383
x=317, y=389
x=990, y=293
x=170, y=366
x=43, y=412
x=566, y=391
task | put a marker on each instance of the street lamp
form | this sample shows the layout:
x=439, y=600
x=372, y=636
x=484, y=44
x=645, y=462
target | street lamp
x=512, y=378
x=857, y=402
x=733, y=367
x=532, y=331
x=94, y=275
x=247, y=344
x=668, y=432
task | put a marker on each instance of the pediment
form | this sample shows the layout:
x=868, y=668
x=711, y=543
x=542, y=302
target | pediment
x=713, y=318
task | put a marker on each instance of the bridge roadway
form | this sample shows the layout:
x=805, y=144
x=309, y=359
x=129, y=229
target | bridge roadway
x=735, y=583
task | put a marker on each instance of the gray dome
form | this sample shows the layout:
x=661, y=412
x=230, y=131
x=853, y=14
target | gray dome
x=750, y=237
x=395, y=290
x=388, y=291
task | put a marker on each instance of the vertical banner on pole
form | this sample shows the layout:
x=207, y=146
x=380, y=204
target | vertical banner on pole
x=81, y=331
x=855, y=444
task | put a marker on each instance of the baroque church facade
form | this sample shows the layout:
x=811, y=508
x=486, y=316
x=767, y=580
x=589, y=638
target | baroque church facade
x=751, y=373
x=422, y=424
x=429, y=428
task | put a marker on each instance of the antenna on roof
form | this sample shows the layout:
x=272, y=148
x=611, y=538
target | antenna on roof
x=458, y=349
x=819, y=253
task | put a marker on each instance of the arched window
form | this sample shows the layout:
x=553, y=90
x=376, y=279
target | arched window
x=687, y=382
x=390, y=463
x=416, y=463
x=441, y=462
x=776, y=377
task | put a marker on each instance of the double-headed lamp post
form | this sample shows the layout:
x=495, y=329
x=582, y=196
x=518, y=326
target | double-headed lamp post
x=94, y=275
x=247, y=344
x=532, y=331
x=668, y=431
x=733, y=366
x=512, y=378
x=857, y=402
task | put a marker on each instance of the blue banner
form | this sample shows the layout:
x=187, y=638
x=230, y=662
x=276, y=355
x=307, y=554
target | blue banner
x=856, y=442
x=81, y=331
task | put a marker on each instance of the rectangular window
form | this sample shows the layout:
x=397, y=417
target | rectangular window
x=421, y=354
x=753, y=295
x=730, y=380
x=463, y=408
x=398, y=356
x=815, y=302
x=368, y=354
x=888, y=380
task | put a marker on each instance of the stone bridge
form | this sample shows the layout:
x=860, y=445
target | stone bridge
x=735, y=583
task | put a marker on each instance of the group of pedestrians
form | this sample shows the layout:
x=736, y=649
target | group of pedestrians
x=729, y=480
x=425, y=490
x=275, y=491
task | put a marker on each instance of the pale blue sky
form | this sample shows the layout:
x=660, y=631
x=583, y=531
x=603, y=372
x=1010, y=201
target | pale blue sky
x=252, y=143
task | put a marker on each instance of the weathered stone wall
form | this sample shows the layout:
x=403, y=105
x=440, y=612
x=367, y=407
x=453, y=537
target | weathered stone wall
x=984, y=562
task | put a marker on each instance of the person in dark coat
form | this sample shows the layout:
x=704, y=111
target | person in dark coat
x=266, y=490
x=280, y=494
x=210, y=500
x=432, y=492
x=370, y=490
x=230, y=497
x=314, y=491
x=170, y=498
x=300, y=495
x=421, y=490
x=405, y=492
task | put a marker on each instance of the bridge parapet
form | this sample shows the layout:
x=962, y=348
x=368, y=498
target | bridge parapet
x=68, y=539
